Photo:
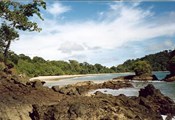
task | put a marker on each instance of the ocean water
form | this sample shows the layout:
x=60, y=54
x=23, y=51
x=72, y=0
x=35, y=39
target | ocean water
x=167, y=88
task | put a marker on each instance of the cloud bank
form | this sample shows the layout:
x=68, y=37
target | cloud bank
x=88, y=40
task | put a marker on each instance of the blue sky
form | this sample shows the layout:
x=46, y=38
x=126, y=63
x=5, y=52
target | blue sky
x=100, y=32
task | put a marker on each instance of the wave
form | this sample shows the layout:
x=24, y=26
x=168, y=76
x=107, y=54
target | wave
x=146, y=81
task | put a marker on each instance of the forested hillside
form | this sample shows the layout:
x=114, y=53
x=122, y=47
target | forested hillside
x=38, y=66
x=158, y=62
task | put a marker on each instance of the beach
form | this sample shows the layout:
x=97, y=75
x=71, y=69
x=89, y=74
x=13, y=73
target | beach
x=54, y=78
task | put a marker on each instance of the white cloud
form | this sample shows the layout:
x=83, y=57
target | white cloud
x=69, y=47
x=164, y=45
x=120, y=25
x=57, y=8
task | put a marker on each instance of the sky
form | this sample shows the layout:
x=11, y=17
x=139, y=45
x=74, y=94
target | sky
x=105, y=32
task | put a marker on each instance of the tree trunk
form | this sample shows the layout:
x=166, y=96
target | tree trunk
x=6, y=51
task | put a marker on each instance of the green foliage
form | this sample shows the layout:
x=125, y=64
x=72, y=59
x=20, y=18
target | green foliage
x=16, y=16
x=158, y=62
x=40, y=67
x=142, y=68
x=7, y=34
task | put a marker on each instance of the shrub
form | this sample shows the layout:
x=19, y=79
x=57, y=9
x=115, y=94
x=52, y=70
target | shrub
x=142, y=68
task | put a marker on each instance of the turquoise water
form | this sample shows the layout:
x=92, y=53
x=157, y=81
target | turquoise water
x=102, y=76
x=160, y=75
x=167, y=88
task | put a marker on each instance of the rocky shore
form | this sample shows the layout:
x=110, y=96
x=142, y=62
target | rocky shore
x=136, y=77
x=149, y=105
x=33, y=101
x=170, y=78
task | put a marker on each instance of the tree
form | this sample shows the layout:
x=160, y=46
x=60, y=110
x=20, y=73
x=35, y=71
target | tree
x=142, y=68
x=16, y=16
x=7, y=34
x=38, y=59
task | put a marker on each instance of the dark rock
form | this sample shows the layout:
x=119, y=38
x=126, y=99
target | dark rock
x=156, y=101
x=145, y=78
x=169, y=117
x=77, y=110
x=83, y=87
x=85, y=83
x=128, y=77
x=116, y=84
x=98, y=107
x=68, y=90
x=99, y=93
x=149, y=90
x=7, y=71
x=10, y=65
x=36, y=83
x=169, y=78
x=3, y=75
x=135, y=77
x=56, y=88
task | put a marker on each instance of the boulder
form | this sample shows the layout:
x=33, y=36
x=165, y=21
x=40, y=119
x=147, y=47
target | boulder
x=56, y=88
x=169, y=78
x=85, y=83
x=152, y=98
x=122, y=78
x=36, y=83
x=98, y=107
x=116, y=84
x=149, y=90
x=145, y=78
x=68, y=90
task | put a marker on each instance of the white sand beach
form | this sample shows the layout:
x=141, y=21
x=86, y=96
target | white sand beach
x=63, y=79
x=54, y=78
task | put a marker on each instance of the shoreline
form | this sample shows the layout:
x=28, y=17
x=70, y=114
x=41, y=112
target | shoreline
x=61, y=77
x=54, y=78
